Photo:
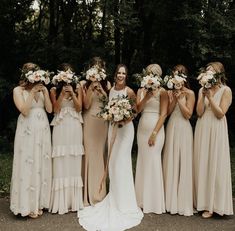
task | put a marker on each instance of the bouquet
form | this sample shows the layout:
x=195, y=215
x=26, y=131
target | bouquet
x=66, y=77
x=207, y=79
x=96, y=73
x=37, y=76
x=174, y=82
x=151, y=82
x=117, y=109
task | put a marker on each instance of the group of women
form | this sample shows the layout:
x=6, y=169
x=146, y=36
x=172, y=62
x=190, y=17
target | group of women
x=176, y=172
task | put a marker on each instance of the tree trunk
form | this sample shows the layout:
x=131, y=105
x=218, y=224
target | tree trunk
x=117, y=33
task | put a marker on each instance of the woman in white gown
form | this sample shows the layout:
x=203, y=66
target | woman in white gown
x=31, y=174
x=118, y=211
x=150, y=138
x=67, y=151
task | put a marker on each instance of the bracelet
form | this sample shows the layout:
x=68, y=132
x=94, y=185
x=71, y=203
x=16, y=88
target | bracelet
x=154, y=134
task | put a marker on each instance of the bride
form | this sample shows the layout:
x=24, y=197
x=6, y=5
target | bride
x=118, y=211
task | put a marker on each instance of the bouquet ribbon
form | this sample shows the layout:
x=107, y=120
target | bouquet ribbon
x=113, y=136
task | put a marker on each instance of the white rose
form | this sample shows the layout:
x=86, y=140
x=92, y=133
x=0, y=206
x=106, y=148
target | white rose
x=170, y=85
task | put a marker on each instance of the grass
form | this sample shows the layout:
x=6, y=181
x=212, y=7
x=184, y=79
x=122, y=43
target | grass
x=5, y=173
x=6, y=168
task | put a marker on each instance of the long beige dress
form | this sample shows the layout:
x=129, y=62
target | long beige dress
x=149, y=178
x=31, y=173
x=66, y=194
x=213, y=190
x=95, y=138
x=177, y=164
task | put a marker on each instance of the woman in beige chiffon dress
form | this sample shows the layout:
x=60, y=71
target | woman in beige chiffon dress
x=150, y=139
x=95, y=137
x=178, y=149
x=213, y=189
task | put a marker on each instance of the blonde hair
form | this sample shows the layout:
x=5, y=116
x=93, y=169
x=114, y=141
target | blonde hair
x=219, y=69
x=154, y=69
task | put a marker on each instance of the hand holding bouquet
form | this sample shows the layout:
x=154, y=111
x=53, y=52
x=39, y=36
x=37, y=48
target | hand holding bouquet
x=174, y=82
x=39, y=76
x=207, y=79
x=96, y=73
x=117, y=110
x=151, y=82
x=65, y=77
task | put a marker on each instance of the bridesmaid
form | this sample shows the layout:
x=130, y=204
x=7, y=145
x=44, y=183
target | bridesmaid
x=178, y=149
x=150, y=139
x=95, y=136
x=213, y=188
x=67, y=149
x=31, y=175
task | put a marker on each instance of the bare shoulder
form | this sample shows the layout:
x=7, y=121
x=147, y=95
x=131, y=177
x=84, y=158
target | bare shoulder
x=163, y=92
x=109, y=86
x=227, y=90
x=189, y=92
x=130, y=92
x=18, y=90
x=53, y=89
x=82, y=83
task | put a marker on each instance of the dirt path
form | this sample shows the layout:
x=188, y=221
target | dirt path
x=151, y=222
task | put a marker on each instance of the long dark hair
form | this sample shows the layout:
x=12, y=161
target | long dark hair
x=65, y=67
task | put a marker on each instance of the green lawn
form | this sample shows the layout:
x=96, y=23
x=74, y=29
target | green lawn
x=6, y=166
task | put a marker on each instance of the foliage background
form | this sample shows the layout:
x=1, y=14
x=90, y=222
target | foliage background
x=134, y=32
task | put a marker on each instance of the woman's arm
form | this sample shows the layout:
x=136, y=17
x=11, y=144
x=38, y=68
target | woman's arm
x=77, y=98
x=200, y=103
x=162, y=117
x=88, y=94
x=141, y=102
x=22, y=105
x=186, y=108
x=48, y=104
x=56, y=102
x=226, y=100
x=171, y=102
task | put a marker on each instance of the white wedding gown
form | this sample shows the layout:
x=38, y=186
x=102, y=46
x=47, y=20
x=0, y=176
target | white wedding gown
x=118, y=211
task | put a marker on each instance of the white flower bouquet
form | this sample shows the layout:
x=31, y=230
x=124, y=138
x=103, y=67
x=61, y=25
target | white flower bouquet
x=38, y=76
x=151, y=82
x=65, y=77
x=117, y=109
x=95, y=73
x=174, y=82
x=207, y=79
